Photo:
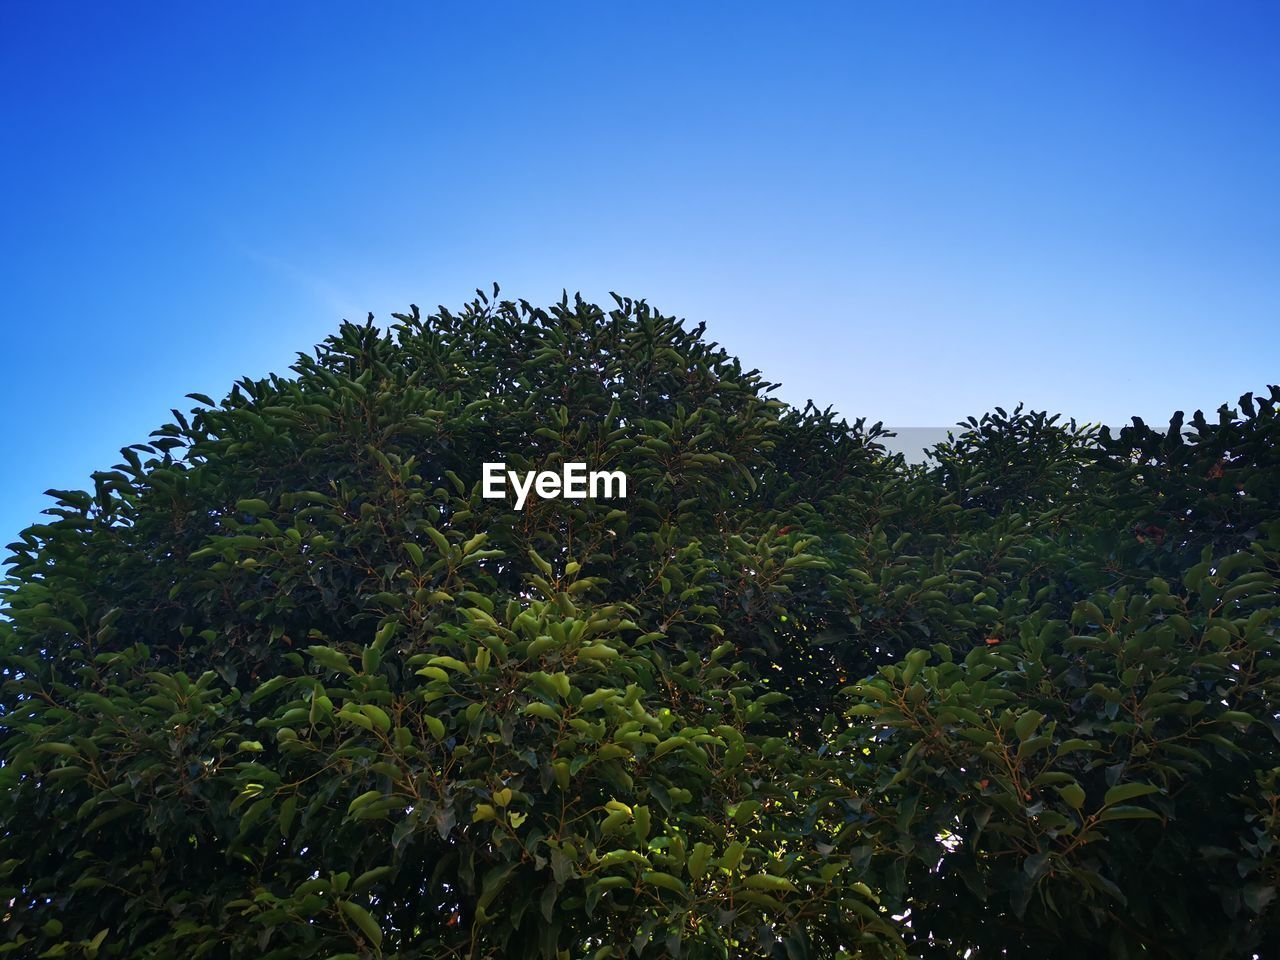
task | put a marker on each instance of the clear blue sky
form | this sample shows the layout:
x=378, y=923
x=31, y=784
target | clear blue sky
x=912, y=211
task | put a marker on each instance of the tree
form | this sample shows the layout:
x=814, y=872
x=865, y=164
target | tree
x=285, y=684
x=1086, y=761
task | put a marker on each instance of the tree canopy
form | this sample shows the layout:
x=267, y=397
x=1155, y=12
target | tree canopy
x=284, y=684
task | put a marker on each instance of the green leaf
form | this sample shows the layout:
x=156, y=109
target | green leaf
x=61, y=749
x=746, y=810
x=642, y=823
x=494, y=881
x=364, y=800
x=733, y=855
x=665, y=881
x=1027, y=723
x=379, y=716
x=766, y=881
x=92, y=947
x=442, y=545
x=698, y=857
x=369, y=878
x=1073, y=794
x=1235, y=716
x=331, y=659
x=1128, y=791
x=1124, y=812
x=288, y=810
x=539, y=709
x=363, y=920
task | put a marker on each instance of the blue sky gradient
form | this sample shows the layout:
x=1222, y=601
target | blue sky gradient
x=913, y=212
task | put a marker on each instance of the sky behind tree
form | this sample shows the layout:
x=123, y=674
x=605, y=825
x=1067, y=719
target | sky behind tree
x=912, y=212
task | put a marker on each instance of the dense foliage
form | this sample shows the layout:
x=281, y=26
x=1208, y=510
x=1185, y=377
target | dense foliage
x=283, y=684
